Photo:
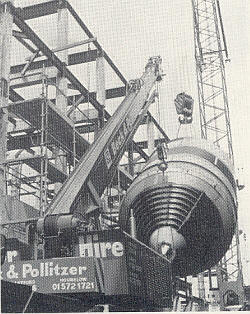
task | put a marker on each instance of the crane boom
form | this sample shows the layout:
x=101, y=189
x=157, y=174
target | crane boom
x=96, y=168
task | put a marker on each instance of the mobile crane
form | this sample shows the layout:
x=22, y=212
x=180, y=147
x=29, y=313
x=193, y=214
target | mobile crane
x=60, y=231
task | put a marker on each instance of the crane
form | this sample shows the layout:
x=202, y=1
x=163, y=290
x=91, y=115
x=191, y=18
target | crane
x=215, y=126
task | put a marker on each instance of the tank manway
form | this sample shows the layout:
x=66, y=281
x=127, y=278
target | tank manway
x=187, y=212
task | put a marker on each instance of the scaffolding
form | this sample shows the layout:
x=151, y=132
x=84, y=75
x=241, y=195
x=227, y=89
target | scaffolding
x=47, y=135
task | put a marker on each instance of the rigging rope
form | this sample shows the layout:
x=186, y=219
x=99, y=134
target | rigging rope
x=88, y=87
x=158, y=107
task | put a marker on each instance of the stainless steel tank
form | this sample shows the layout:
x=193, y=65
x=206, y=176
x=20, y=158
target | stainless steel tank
x=187, y=211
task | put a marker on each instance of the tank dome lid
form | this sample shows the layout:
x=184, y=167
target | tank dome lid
x=204, y=145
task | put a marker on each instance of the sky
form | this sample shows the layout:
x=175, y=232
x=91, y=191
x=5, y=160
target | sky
x=132, y=31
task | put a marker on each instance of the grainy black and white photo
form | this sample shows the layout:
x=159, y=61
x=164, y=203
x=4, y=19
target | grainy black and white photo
x=124, y=156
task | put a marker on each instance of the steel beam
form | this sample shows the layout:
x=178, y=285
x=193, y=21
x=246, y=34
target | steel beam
x=62, y=84
x=73, y=45
x=59, y=65
x=38, y=10
x=25, y=141
x=18, y=34
x=6, y=22
x=110, y=93
x=14, y=96
x=34, y=77
x=73, y=59
x=100, y=89
x=87, y=128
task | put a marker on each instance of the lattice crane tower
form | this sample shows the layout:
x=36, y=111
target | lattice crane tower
x=210, y=51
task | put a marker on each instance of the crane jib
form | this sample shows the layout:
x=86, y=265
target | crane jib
x=97, y=167
x=106, y=166
x=115, y=146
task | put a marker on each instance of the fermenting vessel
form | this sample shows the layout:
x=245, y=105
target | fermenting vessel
x=185, y=206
